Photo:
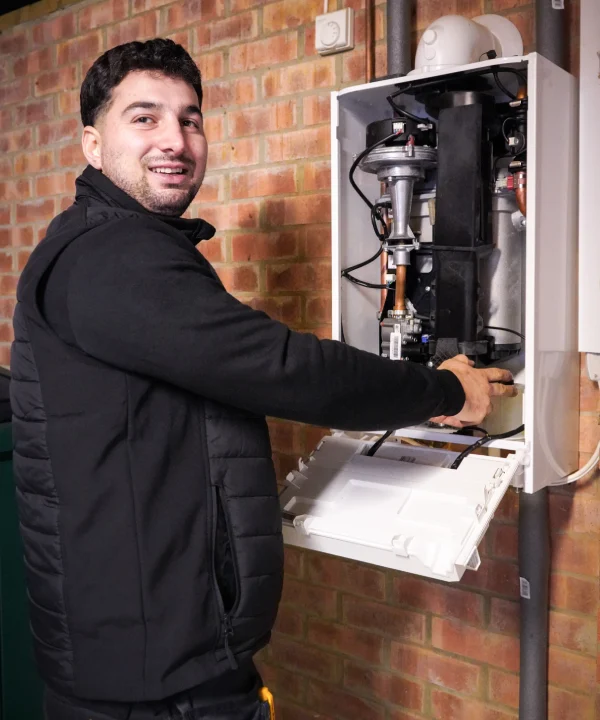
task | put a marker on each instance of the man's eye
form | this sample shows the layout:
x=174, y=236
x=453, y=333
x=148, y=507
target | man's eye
x=144, y=119
x=190, y=123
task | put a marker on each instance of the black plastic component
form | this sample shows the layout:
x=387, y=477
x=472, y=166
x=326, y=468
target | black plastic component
x=5, y=410
x=380, y=129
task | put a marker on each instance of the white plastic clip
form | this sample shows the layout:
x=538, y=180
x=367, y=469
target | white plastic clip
x=396, y=344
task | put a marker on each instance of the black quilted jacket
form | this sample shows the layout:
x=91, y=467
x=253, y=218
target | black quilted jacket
x=146, y=491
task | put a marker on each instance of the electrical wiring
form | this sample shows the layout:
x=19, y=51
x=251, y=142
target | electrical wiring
x=483, y=441
x=503, y=329
x=376, y=445
x=585, y=470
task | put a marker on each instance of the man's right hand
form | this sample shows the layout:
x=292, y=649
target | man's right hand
x=480, y=385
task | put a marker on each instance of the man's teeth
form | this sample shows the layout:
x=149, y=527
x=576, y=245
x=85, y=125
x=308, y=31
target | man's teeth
x=168, y=171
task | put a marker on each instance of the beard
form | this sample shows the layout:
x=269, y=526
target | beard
x=172, y=200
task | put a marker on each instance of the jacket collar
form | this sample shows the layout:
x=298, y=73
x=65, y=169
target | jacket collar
x=93, y=187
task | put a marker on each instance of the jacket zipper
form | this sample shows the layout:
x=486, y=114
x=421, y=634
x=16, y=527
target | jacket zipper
x=226, y=627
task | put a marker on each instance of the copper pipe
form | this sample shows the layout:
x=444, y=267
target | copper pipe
x=369, y=42
x=383, y=272
x=521, y=191
x=399, y=305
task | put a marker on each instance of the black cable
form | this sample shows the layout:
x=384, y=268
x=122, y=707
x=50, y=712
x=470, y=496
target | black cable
x=376, y=445
x=483, y=441
x=502, y=87
x=502, y=329
x=363, y=154
x=402, y=111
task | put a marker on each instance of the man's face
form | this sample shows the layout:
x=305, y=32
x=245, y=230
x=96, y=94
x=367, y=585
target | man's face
x=151, y=143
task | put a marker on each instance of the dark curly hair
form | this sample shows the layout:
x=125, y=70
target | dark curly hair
x=158, y=55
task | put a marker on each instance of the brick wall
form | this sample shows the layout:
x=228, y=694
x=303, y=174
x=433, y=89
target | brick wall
x=353, y=642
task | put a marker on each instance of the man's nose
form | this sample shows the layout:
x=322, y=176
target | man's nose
x=172, y=138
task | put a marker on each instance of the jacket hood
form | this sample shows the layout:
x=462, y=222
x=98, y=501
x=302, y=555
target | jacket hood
x=93, y=187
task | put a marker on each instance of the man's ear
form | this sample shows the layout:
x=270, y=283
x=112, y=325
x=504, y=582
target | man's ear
x=91, y=142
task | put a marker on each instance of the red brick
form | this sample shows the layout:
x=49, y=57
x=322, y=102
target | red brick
x=341, y=704
x=5, y=355
x=103, y=13
x=505, y=541
x=589, y=396
x=508, y=510
x=214, y=128
x=15, y=190
x=34, y=112
x=237, y=152
x=34, y=62
x=282, y=683
x=564, y=705
x=140, y=27
x=589, y=432
x=63, y=203
x=311, y=599
x=55, y=184
x=349, y=641
x=80, y=48
x=212, y=250
x=354, y=67
x=22, y=259
x=294, y=562
x=503, y=688
x=317, y=243
x=426, y=13
x=571, y=670
x=573, y=633
x=240, y=5
x=212, y=190
x=382, y=685
x=6, y=121
x=190, y=12
x=35, y=211
x=299, y=276
x=273, y=50
x=441, y=599
x=68, y=103
x=317, y=176
x=299, y=210
x=451, y=707
x=228, y=31
x=14, y=92
x=290, y=622
x=7, y=307
x=251, y=247
x=435, y=668
x=257, y=183
x=34, y=162
x=306, y=143
x=575, y=554
x=284, y=309
x=348, y=576
x=5, y=214
x=245, y=91
x=238, y=279
x=256, y=120
x=217, y=95
x=290, y=13
x=13, y=42
x=232, y=216
x=8, y=284
x=283, y=435
x=56, y=80
x=316, y=109
x=139, y=6
x=59, y=131
x=504, y=616
x=318, y=310
x=499, y=650
x=524, y=22
x=6, y=329
x=392, y=622
x=292, y=655
x=17, y=236
x=212, y=66
x=58, y=29
x=71, y=155
x=574, y=513
x=496, y=576
x=299, y=78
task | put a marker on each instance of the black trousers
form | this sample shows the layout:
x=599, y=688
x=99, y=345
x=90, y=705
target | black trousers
x=235, y=697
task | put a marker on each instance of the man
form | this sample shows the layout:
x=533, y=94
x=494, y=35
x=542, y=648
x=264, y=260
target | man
x=147, y=496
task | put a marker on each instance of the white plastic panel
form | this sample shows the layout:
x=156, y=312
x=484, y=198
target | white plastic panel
x=403, y=509
x=549, y=369
x=589, y=162
x=551, y=358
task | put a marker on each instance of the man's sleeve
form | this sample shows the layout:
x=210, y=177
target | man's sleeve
x=144, y=303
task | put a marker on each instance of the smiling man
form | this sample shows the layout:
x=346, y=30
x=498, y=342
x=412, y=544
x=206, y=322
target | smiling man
x=147, y=497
